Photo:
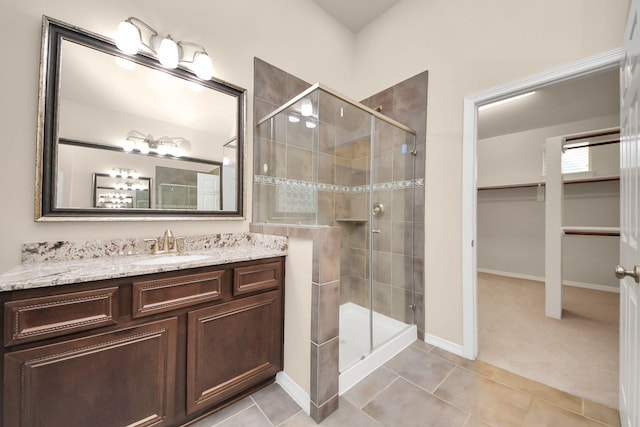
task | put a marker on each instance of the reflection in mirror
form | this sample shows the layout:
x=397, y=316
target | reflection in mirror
x=121, y=191
x=104, y=110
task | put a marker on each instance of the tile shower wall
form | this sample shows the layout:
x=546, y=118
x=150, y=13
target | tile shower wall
x=337, y=155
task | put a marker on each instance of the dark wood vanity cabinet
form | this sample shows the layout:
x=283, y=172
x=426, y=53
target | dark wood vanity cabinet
x=155, y=350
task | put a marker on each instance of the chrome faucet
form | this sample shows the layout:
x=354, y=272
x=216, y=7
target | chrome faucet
x=166, y=244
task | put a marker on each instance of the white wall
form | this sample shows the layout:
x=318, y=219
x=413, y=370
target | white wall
x=297, y=315
x=468, y=47
x=295, y=35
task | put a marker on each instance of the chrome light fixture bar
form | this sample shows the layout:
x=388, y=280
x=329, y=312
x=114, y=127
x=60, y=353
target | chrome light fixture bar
x=170, y=53
x=175, y=146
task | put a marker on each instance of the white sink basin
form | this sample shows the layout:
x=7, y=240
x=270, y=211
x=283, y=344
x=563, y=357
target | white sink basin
x=170, y=259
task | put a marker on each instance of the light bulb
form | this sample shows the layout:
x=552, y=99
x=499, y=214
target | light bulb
x=134, y=174
x=144, y=148
x=128, y=145
x=113, y=173
x=306, y=108
x=128, y=38
x=176, y=151
x=162, y=149
x=185, y=146
x=225, y=161
x=202, y=66
x=168, y=53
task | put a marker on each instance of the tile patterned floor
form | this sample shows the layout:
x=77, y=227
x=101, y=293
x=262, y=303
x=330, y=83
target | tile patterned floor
x=426, y=386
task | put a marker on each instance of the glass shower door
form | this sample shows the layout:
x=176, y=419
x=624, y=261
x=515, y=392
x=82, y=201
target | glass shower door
x=391, y=232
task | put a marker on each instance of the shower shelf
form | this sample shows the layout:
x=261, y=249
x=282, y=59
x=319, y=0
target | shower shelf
x=352, y=219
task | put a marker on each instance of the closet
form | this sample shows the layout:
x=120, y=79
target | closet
x=536, y=223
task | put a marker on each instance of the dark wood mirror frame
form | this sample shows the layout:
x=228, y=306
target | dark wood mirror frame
x=53, y=33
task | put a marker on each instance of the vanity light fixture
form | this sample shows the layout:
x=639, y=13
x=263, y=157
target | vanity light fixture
x=175, y=146
x=124, y=173
x=170, y=53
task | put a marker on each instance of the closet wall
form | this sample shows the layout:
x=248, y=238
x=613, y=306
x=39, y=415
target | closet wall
x=510, y=221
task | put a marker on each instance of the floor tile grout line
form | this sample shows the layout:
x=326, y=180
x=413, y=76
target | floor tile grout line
x=378, y=393
x=545, y=399
x=444, y=379
x=262, y=412
x=238, y=413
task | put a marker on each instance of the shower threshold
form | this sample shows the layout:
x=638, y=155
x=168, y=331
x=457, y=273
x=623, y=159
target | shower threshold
x=390, y=338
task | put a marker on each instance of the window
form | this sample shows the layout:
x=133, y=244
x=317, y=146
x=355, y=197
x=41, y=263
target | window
x=576, y=158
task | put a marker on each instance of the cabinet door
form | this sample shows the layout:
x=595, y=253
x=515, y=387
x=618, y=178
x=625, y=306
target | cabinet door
x=232, y=347
x=120, y=378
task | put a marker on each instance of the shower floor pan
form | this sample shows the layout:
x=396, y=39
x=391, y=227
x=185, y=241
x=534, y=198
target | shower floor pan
x=390, y=337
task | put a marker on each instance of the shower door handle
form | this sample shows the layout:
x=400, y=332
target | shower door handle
x=375, y=231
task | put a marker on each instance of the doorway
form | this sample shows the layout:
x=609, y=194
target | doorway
x=583, y=68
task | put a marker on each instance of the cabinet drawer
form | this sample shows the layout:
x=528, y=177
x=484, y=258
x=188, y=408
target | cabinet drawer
x=38, y=318
x=160, y=295
x=259, y=277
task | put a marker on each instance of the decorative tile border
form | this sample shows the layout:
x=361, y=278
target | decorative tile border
x=307, y=186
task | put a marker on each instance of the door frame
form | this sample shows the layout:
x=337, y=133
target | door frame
x=604, y=61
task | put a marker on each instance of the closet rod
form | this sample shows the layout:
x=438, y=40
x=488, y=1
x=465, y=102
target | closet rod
x=592, y=233
x=532, y=185
x=594, y=144
x=593, y=135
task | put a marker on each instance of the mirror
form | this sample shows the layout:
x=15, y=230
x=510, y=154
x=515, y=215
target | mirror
x=117, y=192
x=112, y=123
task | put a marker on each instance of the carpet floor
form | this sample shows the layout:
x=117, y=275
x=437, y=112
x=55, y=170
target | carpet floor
x=578, y=354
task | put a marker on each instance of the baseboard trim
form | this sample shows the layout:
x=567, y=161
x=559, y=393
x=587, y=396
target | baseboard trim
x=449, y=346
x=593, y=286
x=294, y=391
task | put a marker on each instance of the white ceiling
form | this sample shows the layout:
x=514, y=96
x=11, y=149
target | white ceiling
x=355, y=14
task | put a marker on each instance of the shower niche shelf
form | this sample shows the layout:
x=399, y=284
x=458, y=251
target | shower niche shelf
x=353, y=220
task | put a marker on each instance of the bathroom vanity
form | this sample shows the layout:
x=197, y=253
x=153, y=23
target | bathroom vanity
x=145, y=348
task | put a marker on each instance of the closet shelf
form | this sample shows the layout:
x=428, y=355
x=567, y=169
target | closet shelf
x=591, y=231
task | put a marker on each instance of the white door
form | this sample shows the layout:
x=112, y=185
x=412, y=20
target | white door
x=208, y=192
x=629, y=230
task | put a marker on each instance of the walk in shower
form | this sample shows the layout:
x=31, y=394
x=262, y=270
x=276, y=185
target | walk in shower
x=322, y=159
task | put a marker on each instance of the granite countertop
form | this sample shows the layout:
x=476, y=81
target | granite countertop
x=60, y=263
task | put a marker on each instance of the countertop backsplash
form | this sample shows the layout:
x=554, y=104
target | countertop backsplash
x=87, y=249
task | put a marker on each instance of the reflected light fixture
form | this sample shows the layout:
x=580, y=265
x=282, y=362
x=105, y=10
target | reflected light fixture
x=124, y=173
x=310, y=124
x=175, y=146
x=130, y=38
x=306, y=107
x=504, y=101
